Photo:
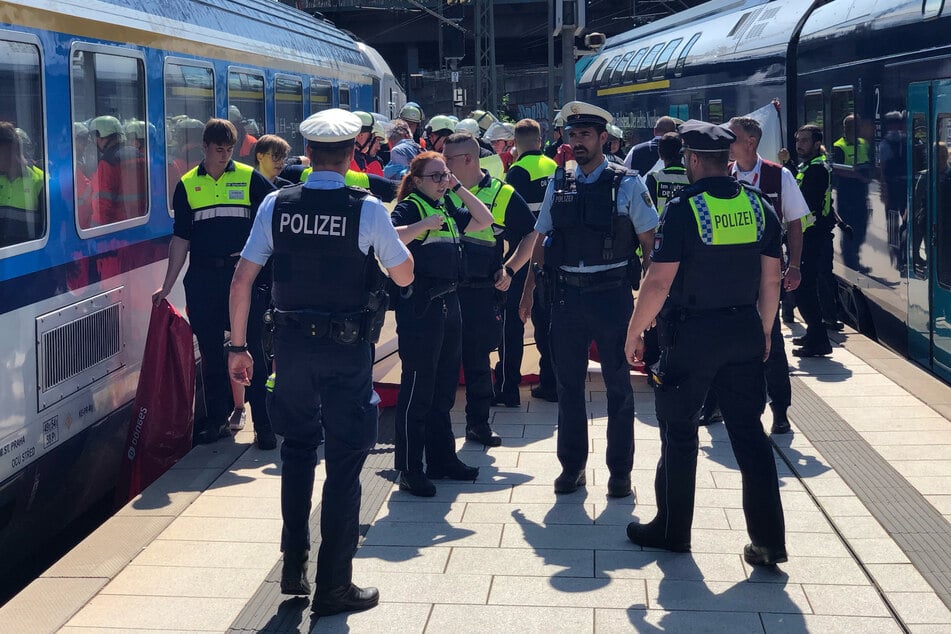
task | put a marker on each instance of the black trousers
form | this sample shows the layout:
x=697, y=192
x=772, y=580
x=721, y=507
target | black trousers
x=481, y=333
x=579, y=316
x=722, y=350
x=322, y=390
x=541, y=321
x=816, y=257
x=429, y=332
x=508, y=371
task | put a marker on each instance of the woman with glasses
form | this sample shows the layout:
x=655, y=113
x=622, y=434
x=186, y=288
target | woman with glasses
x=428, y=323
x=270, y=153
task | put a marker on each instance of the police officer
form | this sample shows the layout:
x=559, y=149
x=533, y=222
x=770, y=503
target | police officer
x=324, y=239
x=529, y=175
x=593, y=221
x=715, y=283
x=487, y=275
x=815, y=182
x=215, y=204
x=664, y=184
x=428, y=323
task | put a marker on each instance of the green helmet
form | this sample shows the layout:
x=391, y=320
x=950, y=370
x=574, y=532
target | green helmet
x=234, y=115
x=136, y=129
x=441, y=123
x=105, y=126
x=412, y=112
x=366, y=120
x=483, y=118
x=378, y=130
x=469, y=125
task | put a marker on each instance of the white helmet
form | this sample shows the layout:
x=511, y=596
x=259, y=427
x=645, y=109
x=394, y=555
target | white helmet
x=469, y=125
x=498, y=132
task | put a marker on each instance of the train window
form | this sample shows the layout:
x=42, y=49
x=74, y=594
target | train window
x=643, y=71
x=682, y=58
x=631, y=70
x=660, y=68
x=23, y=212
x=942, y=138
x=289, y=110
x=321, y=96
x=111, y=170
x=606, y=75
x=189, y=104
x=931, y=8
x=246, y=110
x=715, y=111
x=345, y=97
x=813, y=108
x=848, y=146
x=618, y=72
x=597, y=73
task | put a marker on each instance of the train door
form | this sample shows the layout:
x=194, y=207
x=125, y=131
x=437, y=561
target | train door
x=928, y=225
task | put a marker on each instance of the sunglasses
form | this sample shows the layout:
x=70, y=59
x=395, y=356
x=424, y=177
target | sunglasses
x=438, y=177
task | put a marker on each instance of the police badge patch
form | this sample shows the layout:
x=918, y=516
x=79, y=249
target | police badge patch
x=647, y=199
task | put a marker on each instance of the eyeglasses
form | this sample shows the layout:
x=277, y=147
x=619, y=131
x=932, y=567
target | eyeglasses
x=438, y=177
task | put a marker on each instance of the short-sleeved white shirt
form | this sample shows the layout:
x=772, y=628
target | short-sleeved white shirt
x=794, y=205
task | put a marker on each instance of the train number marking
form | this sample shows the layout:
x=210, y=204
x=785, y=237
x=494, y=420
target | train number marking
x=50, y=432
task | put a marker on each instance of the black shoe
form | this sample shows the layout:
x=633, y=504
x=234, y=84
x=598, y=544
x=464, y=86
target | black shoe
x=549, y=394
x=812, y=351
x=835, y=325
x=211, y=430
x=455, y=470
x=763, y=556
x=780, y=423
x=294, y=574
x=484, y=435
x=265, y=440
x=344, y=599
x=646, y=536
x=711, y=418
x=619, y=486
x=788, y=317
x=506, y=401
x=417, y=484
x=799, y=341
x=569, y=481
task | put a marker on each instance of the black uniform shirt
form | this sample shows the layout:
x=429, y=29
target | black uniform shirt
x=815, y=182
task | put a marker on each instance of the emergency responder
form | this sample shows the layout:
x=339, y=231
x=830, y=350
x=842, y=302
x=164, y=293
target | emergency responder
x=713, y=288
x=374, y=154
x=779, y=186
x=593, y=221
x=428, y=323
x=851, y=175
x=529, y=175
x=557, y=133
x=469, y=125
x=663, y=184
x=613, y=146
x=643, y=156
x=215, y=204
x=361, y=160
x=22, y=186
x=496, y=163
x=413, y=115
x=487, y=275
x=116, y=192
x=246, y=140
x=324, y=239
x=815, y=181
x=438, y=130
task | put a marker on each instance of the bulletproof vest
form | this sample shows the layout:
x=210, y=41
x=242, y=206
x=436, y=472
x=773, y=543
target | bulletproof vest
x=724, y=270
x=437, y=253
x=481, y=252
x=317, y=260
x=669, y=181
x=540, y=169
x=586, y=225
x=825, y=216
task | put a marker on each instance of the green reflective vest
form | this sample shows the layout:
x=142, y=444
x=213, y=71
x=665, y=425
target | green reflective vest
x=449, y=232
x=854, y=154
x=540, y=169
x=726, y=221
x=496, y=197
x=227, y=197
x=668, y=183
x=352, y=179
x=21, y=193
x=810, y=219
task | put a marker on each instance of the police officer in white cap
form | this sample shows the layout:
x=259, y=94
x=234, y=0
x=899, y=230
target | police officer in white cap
x=714, y=289
x=592, y=222
x=324, y=239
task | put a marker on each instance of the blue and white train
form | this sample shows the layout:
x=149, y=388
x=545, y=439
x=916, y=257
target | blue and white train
x=75, y=289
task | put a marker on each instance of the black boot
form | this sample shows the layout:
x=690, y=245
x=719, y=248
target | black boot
x=294, y=574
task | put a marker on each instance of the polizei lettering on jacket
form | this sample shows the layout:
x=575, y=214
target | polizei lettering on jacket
x=314, y=225
x=737, y=219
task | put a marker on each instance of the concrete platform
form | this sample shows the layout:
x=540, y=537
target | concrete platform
x=865, y=481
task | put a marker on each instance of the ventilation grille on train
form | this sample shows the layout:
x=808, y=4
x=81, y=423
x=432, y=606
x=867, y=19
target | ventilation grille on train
x=78, y=345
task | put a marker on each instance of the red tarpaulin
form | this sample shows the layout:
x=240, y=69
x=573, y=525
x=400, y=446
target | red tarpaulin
x=160, y=431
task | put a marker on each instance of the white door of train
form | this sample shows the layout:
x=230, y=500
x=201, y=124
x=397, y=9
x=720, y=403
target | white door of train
x=928, y=225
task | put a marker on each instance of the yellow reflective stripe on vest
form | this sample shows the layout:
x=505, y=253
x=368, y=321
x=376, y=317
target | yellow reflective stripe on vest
x=738, y=220
x=450, y=234
x=352, y=179
x=209, y=198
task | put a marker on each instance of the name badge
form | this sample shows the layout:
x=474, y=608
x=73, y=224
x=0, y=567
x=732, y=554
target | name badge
x=235, y=194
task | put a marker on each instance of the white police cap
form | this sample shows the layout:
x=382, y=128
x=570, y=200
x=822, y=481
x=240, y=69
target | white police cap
x=579, y=113
x=331, y=128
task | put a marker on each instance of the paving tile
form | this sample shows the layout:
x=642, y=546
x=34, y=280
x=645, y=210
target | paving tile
x=843, y=506
x=922, y=437
x=425, y=534
x=878, y=551
x=192, y=581
x=403, y=510
x=232, y=485
x=158, y=613
x=839, y=571
x=461, y=619
x=815, y=545
x=216, y=529
x=384, y=618
x=723, y=596
x=568, y=592
x=928, y=629
x=400, y=587
x=861, y=423
x=558, y=513
x=812, y=521
x=858, y=600
x=912, y=452
x=607, y=620
x=920, y=607
x=447, y=492
x=932, y=468
x=99, y=630
x=930, y=485
x=734, y=480
x=941, y=502
x=529, y=562
x=481, y=458
x=233, y=507
x=703, y=517
x=799, y=623
x=886, y=415
x=527, y=534
x=401, y=559
x=647, y=564
x=47, y=603
x=219, y=554
x=171, y=493
x=860, y=527
x=898, y=578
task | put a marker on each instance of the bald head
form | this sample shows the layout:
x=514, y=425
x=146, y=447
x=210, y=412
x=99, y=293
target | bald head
x=664, y=125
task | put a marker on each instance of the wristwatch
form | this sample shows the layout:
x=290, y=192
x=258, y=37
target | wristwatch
x=236, y=349
x=508, y=269
x=456, y=187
